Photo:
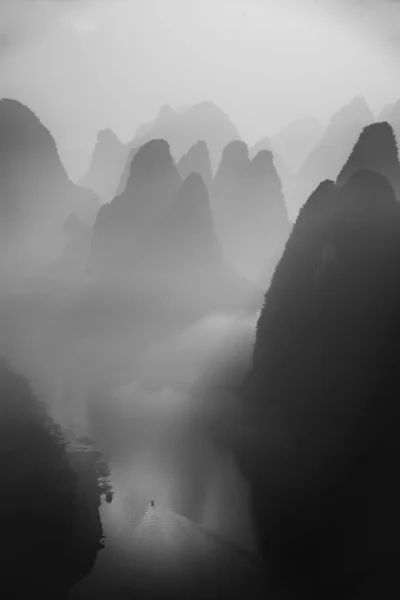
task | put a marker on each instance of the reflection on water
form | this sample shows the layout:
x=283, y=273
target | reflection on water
x=157, y=551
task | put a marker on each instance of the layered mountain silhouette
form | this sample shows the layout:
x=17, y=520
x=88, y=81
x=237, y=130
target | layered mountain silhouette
x=322, y=397
x=234, y=161
x=160, y=231
x=285, y=173
x=250, y=212
x=107, y=166
x=122, y=226
x=181, y=129
x=327, y=159
x=197, y=160
x=36, y=194
x=186, y=232
x=295, y=142
x=263, y=144
x=376, y=151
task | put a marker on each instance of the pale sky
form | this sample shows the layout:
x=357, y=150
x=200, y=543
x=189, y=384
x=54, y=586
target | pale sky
x=83, y=65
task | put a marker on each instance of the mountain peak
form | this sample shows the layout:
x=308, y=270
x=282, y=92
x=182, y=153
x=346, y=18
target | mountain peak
x=197, y=160
x=152, y=158
x=21, y=126
x=107, y=136
x=166, y=112
x=193, y=181
x=356, y=107
x=375, y=150
x=235, y=152
x=263, y=159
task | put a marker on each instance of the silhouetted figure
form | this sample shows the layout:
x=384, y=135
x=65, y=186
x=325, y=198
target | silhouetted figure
x=322, y=398
x=109, y=497
x=152, y=504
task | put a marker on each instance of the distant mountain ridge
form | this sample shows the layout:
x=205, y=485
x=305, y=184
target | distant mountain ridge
x=327, y=159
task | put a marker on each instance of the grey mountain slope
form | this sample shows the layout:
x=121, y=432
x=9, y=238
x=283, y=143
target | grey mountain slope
x=328, y=158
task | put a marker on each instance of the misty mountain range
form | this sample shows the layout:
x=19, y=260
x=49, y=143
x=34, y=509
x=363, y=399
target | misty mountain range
x=107, y=282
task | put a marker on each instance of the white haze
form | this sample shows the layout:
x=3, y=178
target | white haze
x=83, y=66
x=138, y=392
x=87, y=65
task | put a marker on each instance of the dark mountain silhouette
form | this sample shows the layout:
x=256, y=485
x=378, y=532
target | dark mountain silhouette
x=37, y=195
x=296, y=141
x=122, y=226
x=284, y=172
x=250, y=212
x=327, y=159
x=191, y=257
x=197, y=160
x=160, y=231
x=49, y=516
x=322, y=398
x=234, y=160
x=182, y=129
x=107, y=166
x=186, y=232
x=375, y=150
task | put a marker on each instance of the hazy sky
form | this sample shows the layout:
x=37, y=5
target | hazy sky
x=83, y=65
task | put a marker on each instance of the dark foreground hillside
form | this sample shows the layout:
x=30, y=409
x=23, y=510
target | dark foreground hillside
x=322, y=399
x=49, y=519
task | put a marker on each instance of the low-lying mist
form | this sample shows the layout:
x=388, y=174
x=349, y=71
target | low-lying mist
x=109, y=364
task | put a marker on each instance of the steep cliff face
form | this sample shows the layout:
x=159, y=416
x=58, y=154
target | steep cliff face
x=321, y=397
